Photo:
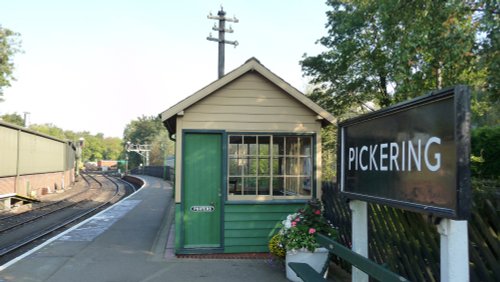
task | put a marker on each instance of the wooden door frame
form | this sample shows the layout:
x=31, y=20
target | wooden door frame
x=223, y=176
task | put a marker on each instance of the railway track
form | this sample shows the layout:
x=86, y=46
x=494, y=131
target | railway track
x=19, y=232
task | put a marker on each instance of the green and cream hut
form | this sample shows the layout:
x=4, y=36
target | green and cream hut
x=248, y=150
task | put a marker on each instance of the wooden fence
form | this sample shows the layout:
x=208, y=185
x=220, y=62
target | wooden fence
x=408, y=243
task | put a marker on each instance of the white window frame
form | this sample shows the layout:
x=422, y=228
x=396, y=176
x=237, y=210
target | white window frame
x=272, y=156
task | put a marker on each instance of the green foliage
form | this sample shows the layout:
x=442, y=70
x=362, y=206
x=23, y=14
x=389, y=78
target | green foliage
x=148, y=130
x=14, y=118
x=485, y=149
x=9, y=46
x=95, y=147
x=113, y=148
x=299, y=229
x=161, y=147
x=389, y=51
x=485, y=112
x=484, y=189
x=49, y=129
x=275, y=246
x=143, y=130
x=329, y=152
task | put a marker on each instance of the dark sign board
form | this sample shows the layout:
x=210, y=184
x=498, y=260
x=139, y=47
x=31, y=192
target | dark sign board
x=413, y=156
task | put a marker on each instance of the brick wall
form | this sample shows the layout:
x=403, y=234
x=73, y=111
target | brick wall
x=33, y=184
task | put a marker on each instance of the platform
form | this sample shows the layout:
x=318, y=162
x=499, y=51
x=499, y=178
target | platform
x=128, y=242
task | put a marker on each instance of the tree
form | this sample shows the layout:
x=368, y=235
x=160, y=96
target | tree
x=49, y=129
x=14, y=118
x=161, y=147
x=390, y=50
x=9, y=46
x=144, y=131
x=93, y=149
x=113, y=148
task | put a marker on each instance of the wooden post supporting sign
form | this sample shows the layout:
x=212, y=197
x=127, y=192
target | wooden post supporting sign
x=359, y=236
x=454, y=250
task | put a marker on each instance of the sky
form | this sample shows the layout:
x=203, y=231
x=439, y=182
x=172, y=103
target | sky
x=95, y=65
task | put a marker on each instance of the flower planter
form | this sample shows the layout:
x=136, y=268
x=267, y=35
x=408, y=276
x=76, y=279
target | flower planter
x=316, y=260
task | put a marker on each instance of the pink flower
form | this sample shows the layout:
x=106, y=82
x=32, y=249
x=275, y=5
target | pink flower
x=297, y=219
x=294, y=223
x=318, y=212
x=312, y=230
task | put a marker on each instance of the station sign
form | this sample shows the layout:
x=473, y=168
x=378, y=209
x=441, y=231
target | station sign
x=414, y=155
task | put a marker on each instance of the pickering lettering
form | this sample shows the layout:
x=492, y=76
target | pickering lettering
x=396, y=156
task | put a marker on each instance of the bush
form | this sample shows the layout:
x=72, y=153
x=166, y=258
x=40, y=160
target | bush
x=485, y=150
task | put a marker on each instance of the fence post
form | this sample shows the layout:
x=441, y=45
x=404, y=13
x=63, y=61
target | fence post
x=454, y=250
x=359, y=235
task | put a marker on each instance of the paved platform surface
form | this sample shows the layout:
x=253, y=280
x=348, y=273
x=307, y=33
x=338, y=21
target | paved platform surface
x=128, y=242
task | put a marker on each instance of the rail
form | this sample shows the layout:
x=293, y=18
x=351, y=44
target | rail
x=44, y=232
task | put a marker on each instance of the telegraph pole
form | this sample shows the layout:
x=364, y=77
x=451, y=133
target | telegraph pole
x=221, y=16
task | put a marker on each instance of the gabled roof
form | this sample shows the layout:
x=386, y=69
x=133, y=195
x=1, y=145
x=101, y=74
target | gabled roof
x=252, y=64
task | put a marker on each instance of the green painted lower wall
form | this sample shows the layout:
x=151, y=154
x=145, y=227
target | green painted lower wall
x=248, y=228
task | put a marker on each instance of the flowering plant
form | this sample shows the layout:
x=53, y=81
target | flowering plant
x=299, y=229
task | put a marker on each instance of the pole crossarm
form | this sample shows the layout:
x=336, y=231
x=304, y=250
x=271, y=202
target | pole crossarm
x=222, y=16
x=235, y=43
x=222, y=30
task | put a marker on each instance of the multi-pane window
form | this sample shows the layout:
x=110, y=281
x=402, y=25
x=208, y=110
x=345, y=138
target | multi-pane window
x=270, y=165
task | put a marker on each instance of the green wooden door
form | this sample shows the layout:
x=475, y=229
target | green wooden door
x=202, y=185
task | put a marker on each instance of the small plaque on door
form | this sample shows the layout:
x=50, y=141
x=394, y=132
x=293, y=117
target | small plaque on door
x=202, y=208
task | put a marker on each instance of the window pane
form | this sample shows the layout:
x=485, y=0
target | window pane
x=233, y=144
x=249, y=186
x=234, y=168
x=252, y=166
x=242, y=166
x=278, y=186
x=305, y=146
x=264, y=187
x=264, y=166
x=264, y=146
x=291, y=186
x=305, y=185
x=305, y=166
x=242, y=150
x=292, y=146
x=292, y=166
x=278, y=145
x=251, y=142
x=235, y=184
x=277, y=166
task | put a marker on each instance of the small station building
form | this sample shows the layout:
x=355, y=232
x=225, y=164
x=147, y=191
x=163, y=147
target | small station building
x=248, y=150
